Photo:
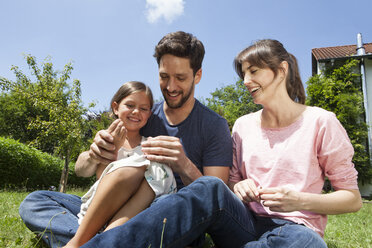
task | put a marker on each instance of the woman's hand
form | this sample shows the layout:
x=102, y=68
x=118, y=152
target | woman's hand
x=280, y=199
x=247, y=191
x=286, y=200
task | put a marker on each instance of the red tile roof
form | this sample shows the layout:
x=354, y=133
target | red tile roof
x=338, y=51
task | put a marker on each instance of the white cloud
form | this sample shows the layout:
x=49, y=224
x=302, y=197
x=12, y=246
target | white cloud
x=168, y=9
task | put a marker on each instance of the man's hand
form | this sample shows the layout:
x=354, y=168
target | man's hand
x=167, y=150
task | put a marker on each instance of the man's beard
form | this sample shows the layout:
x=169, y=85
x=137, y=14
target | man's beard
x=183, y=99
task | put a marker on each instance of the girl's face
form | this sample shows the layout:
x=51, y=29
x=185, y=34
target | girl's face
x=260, y=82
x=133, y=110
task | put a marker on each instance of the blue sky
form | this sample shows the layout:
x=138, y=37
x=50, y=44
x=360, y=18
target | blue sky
x=112, y=41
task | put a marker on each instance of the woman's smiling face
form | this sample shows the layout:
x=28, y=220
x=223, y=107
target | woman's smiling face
x=259, y=82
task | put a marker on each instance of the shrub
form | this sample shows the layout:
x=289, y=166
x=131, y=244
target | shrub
x=24, y=167
x=340, y=90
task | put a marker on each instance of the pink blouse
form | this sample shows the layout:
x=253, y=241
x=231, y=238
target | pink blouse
x=298, y=157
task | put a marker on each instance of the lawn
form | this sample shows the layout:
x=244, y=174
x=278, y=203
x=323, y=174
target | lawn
x=13, y=233
x=343, y=231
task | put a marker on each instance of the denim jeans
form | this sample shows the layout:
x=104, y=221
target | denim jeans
x=52, y=212
x=274, y=232
x=206, y=205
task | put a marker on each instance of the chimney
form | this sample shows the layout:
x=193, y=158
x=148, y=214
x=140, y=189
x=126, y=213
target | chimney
x=360, y=48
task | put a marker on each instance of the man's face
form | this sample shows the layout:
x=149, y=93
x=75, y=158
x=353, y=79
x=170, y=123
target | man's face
x=177, y=80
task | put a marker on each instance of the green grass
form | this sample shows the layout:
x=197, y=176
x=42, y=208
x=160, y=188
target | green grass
x=350, y=230
x=13, y=233
x=343, y=231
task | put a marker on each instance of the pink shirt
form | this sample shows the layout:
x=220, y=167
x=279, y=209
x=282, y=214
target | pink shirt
x=298, y=157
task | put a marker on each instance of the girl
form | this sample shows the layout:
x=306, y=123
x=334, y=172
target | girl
x=128, y=185
x=283, y=152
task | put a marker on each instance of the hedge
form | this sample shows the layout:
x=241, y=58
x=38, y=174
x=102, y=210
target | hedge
x=24, y=167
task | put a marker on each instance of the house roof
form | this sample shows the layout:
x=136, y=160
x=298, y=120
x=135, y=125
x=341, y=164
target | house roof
x=338, y=51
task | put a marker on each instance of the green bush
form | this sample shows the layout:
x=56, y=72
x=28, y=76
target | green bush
x=24, y=167
x=339, y=90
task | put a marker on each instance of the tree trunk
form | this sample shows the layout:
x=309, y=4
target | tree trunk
x=64, y=176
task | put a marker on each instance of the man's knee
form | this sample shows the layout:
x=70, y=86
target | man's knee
x=209, y=180
x=27, y=205
x=209, y=188
x=30, y=200
x=211, y=183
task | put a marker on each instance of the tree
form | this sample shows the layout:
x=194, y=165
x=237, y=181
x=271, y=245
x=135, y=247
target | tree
x=339, y=90
x=47, y=113
x=232, y=101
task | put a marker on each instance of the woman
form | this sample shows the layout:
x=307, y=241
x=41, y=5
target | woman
x=283, y=152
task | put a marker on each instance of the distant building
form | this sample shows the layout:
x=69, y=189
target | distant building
x=325, y=57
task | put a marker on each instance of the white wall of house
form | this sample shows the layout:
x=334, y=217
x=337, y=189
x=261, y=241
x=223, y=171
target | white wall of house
x=366, y=190
x=320, y=67
x=368, y=77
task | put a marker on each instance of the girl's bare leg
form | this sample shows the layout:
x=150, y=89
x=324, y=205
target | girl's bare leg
x=137, y=203
x=112, y=193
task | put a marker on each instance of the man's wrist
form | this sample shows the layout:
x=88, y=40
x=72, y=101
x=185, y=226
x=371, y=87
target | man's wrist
x=190, y=173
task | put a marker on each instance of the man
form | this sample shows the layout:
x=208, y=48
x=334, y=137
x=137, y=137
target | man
x=189, y=137
x=195, y=128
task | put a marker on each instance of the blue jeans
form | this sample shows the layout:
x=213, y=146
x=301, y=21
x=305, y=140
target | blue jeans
x=206, y=205
x=52, y=212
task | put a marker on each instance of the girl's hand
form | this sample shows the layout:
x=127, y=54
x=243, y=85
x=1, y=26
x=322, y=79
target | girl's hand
x=104, y=147
x=119, y=133
x=280, y=199
x=247, y=191
x=102, y=151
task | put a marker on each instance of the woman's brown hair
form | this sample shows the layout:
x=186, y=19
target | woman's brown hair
x=270, y=54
